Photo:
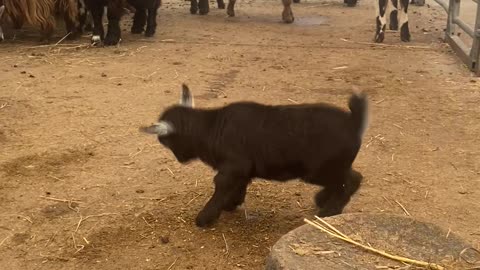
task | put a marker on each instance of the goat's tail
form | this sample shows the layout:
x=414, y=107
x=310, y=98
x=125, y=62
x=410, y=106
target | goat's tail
x=358, y=105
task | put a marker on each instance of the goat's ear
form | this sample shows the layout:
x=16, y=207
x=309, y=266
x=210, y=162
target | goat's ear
x=162, y=128
x=186, y=98
x=2, y=9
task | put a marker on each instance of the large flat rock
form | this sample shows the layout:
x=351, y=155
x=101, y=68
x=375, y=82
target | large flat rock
x=309, y=248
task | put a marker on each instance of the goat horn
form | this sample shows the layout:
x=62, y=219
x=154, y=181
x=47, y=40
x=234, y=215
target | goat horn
x=186, y=98
x=161, y=128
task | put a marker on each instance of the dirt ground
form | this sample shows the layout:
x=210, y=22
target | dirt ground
x=69, y=118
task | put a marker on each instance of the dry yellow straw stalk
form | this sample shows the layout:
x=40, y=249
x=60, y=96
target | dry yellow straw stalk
x=329, y=229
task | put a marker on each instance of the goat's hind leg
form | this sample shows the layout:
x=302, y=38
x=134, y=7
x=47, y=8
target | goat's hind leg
x=236, y=196
x=114, y=14
x=287, y=14
x=231, y=8
x=393, y=14
x=338, y=192
x=381, y=19
x=403, y=21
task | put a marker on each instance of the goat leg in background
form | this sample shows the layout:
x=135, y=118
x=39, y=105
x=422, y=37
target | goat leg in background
x=220, y=4
x=203, y=7
x=114, y=14
x=96, y=9
x=287, y=14
x=2, y=10
x=231, y=8
x=139, y=20
x=193, y=6
x=152, y=18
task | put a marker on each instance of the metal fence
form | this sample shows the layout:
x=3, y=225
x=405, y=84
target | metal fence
x=470, y=55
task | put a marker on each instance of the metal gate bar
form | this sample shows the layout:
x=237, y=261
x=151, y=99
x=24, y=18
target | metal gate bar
x=469, y=55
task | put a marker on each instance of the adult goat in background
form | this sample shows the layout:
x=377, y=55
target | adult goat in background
x=41, y=14
x=398, y=18
x=145, y=14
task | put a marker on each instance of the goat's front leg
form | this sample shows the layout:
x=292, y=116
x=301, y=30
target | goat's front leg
x=212, y=210
x=152, y=19
x=114, y=14
x=193, y=6
x=287, y=14
x=393, y=15
x=403, y=21
x=96, y=10
x=381, y=19
x=139, y=20
x=203, y=7
x=72, y=29
x=220, y=4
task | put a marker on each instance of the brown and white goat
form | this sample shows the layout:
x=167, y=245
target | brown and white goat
x=41, y=14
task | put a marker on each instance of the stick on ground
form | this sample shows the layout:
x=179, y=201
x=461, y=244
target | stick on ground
x=82, y=219
x=226, y=245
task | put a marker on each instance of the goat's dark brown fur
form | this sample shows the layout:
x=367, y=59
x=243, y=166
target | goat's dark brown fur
x=316, y=143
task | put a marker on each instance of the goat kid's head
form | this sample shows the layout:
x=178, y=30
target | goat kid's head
x=170, y=128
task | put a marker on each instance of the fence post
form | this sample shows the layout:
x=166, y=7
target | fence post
x=453, y=12
x=475, y=51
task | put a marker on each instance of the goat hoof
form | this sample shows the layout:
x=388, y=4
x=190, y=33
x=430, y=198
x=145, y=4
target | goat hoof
x=287, y=17
x=328, y=212
x=405, y=33
x=204, y=220
x=296, y=1
x=96, y=40
x=193, y=11
x=111, y=40
x=221, y=6
x=137, y=30
x=379, y=37
x=203, y=11
x=351, y=3
x=231, y=13
x=321, y=198
x=150, y=33
x=405, y=39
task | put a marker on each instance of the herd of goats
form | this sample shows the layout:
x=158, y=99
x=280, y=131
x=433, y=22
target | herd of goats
x=87, y=15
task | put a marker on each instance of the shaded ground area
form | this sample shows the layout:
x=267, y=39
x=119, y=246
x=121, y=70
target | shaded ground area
x=69, y=117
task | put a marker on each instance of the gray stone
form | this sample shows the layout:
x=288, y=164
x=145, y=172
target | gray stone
x=309, y=248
